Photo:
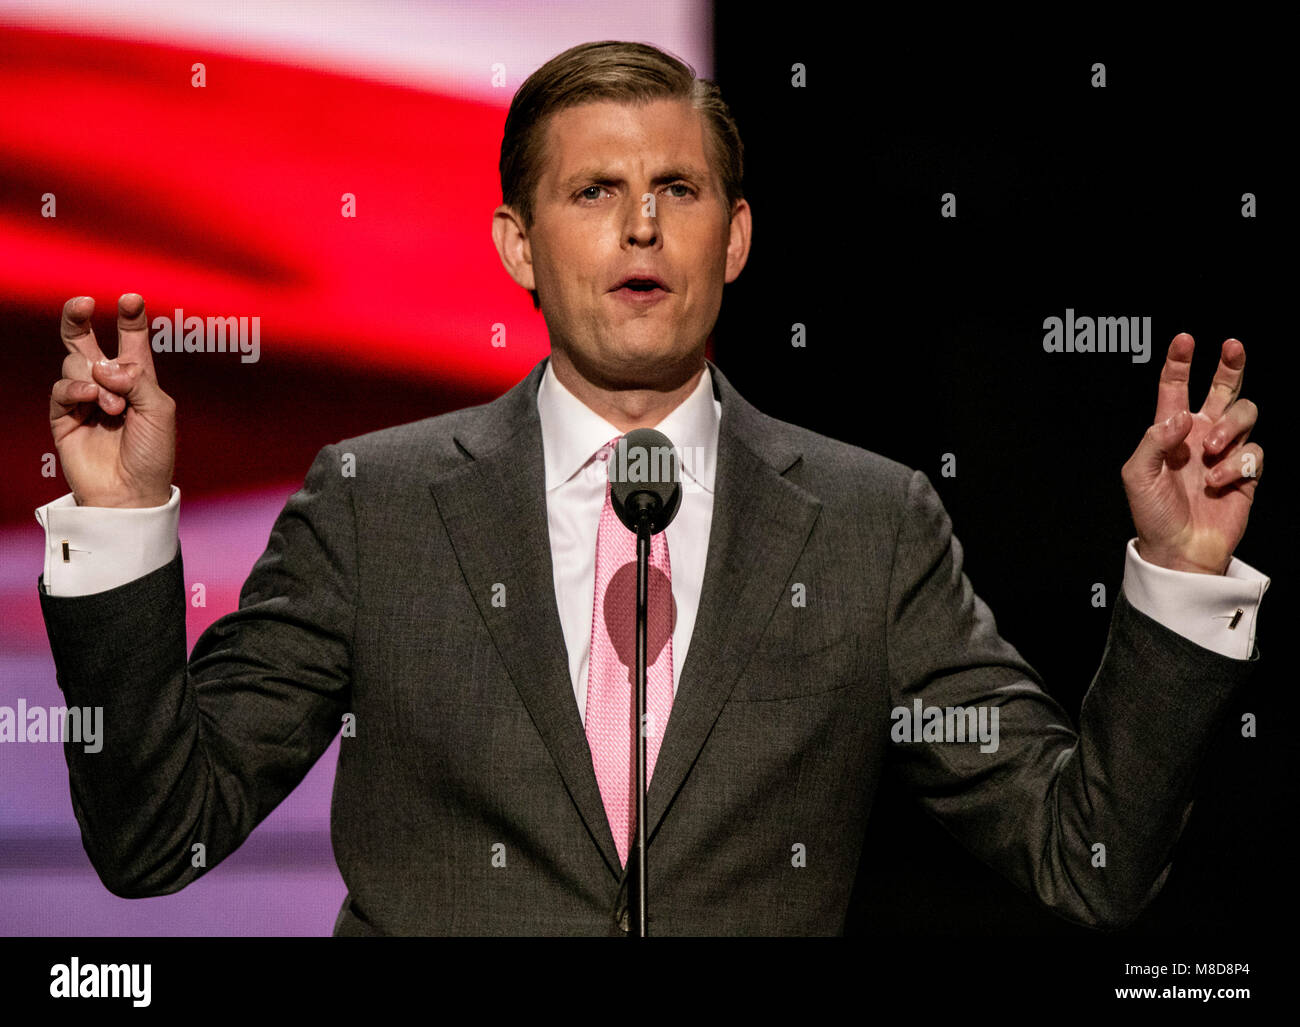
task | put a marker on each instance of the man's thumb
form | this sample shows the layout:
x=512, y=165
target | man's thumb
x=129, y=381
x=1160, y=439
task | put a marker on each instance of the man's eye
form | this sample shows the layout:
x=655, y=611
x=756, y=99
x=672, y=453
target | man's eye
x=592, y=192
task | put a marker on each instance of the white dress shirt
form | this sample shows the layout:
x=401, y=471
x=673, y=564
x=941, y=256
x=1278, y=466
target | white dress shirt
x=573, y=437
x=109, y=547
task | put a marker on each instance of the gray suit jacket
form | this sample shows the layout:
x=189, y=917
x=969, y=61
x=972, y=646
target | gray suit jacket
x=374, y=598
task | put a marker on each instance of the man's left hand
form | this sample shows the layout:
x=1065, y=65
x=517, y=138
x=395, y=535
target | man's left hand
x=1192, y=478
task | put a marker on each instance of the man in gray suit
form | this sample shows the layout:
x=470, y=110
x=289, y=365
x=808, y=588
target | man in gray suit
x=441, y=588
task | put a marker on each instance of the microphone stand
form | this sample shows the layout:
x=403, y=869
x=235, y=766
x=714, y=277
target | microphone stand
x=645, y=506
x=643, y=531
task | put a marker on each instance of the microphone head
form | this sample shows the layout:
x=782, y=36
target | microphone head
x=644, y=479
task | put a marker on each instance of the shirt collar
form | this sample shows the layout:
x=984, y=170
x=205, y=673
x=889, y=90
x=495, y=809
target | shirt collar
x=572, y=433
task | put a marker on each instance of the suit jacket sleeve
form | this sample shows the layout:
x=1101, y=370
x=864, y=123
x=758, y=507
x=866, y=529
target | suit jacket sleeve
x=200, y=753
x=1035, y=809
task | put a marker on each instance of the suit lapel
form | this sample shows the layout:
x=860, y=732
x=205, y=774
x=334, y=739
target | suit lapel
x=761, y=523
x=498, y=497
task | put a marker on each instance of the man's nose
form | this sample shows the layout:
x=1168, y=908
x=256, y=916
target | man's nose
x=642, y=228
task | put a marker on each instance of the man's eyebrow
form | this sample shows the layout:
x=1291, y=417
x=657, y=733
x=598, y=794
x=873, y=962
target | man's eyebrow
x=602, y=176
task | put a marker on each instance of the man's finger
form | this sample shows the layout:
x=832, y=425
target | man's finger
x=1226, y=385
x=70, y=393
x=77, y=366
x=1236, y=423
x=1171, y=395
x=75, y=330
x=1245, y=462
x=133, y=331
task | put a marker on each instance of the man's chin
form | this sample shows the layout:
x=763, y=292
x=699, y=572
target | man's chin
x=648, y=363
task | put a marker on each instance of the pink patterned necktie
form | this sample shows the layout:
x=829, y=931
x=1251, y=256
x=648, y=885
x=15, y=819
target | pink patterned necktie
x=611, y=670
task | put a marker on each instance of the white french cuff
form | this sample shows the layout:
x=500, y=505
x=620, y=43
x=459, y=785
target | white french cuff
x=91, y=549
x=1216, y=611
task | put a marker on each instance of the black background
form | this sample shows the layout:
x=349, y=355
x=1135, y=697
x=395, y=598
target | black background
x=924, y=337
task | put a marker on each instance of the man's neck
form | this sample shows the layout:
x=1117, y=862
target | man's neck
x=625, y=408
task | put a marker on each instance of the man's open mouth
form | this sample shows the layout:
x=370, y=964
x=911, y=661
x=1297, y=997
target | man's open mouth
x=640, y=282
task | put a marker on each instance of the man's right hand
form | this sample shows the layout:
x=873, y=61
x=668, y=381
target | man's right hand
x=114, y=428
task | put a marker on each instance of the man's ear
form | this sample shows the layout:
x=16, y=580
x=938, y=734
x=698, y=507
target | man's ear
x=513, y=246
x=742, y=225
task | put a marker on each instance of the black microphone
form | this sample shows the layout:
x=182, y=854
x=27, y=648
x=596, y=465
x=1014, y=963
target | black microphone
x=644, y=480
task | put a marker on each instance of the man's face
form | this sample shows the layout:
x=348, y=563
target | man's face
x=594, y=226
